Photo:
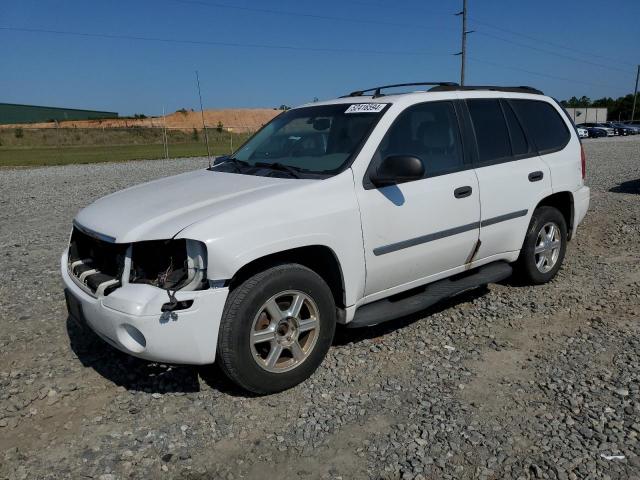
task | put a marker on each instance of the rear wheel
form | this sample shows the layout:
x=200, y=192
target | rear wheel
x=544, y=246
x=276, y=328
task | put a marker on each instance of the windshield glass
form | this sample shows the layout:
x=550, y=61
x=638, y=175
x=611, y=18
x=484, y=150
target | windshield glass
x=317, y=140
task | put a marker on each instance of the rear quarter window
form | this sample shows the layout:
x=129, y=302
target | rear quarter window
x=543, y=124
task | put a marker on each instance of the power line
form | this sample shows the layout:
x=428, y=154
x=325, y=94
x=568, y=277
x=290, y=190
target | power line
x=496, y=27
x=307, y=15
x=393, y=24
x=275, y=47
x=113, y=36
x=549, y=52
x=531, y=72
x=396, y=7
x=552, y=44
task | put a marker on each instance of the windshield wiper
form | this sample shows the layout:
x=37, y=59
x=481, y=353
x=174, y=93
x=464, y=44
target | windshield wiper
x=239, y=164
x=293, y=171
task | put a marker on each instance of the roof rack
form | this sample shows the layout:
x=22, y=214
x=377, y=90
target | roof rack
x=376, y=90
x=496, y=88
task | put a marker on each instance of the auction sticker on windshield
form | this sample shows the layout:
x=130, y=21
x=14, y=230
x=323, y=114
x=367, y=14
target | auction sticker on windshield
x=365, y=108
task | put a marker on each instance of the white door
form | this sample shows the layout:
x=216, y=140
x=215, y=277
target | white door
x=512, y=177
x=418, y=229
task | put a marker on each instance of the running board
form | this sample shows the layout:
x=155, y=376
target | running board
x=390, y=308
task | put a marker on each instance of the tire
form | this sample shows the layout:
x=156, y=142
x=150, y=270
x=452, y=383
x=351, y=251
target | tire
x=538, y=268
x=259, y=324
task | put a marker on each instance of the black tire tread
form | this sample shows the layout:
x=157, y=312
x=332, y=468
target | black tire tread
x=524, y=271
x=235, y=300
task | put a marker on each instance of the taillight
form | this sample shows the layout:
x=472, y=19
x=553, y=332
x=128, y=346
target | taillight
x=583, y=162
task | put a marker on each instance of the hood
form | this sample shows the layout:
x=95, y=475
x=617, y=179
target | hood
x=162, y=208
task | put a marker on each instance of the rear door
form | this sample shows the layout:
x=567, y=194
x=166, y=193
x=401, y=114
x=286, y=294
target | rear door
x=511, y=175
x=550, y=131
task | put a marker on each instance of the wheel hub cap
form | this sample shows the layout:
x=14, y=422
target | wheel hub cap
x=287, y=331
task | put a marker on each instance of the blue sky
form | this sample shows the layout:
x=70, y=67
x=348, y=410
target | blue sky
x=564, y=47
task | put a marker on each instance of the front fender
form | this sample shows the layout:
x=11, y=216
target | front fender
x=323, y=214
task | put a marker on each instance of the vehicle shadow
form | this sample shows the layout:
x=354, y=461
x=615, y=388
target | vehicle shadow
x=139, y=375
x=630, y=186
x=346, y=335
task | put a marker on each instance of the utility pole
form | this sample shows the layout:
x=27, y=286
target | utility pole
x=463, y=52
x=635, y=95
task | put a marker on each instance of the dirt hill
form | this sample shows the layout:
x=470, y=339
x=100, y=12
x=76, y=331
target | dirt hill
x=239, y=120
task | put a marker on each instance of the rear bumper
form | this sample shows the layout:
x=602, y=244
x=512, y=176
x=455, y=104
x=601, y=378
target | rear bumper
x=130, y=320
x=581, y=199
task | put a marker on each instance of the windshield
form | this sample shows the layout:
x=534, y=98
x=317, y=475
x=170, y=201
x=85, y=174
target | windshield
x=314, y=140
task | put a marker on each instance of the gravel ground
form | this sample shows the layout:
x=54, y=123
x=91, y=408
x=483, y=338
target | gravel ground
x=505, y=382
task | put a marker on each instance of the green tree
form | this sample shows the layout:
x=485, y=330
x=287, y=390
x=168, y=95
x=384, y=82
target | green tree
x=585, y=101
x=19, y=133
x=194, y=135
x=220, y=126
x=604, y=102
x=617, y=109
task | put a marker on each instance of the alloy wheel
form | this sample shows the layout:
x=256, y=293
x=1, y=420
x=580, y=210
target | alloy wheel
x=547, y=248
x=285, y=331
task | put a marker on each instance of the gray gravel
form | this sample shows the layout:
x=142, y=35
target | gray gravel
x=507, y=382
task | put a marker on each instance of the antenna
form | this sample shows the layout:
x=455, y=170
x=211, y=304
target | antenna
x=204, y=125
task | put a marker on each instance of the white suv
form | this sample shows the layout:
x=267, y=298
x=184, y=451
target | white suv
x=356, y=210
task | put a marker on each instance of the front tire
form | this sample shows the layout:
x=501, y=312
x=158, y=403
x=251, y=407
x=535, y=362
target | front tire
x=276, y=328
x=544, y=246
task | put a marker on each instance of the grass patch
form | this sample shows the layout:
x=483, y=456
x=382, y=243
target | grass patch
x=71, y=146
x=32, y=157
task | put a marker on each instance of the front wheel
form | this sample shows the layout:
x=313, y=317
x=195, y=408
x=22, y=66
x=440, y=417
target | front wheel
x=276, y=328
x=544, y=246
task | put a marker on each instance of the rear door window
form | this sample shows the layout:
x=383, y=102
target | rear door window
x=519, y=144
x=491, y=131
x=543, y=124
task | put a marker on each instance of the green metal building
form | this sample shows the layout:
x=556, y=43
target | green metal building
x=16, y=113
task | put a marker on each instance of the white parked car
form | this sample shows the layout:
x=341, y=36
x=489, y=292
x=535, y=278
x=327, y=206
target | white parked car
x=356, y=211
x=583, y=132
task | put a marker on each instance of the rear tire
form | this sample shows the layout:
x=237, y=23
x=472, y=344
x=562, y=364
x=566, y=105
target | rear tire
x=544, y=247
x=276, y=329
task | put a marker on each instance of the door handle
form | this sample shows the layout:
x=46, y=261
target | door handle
x=536, y=176
x=462, y=192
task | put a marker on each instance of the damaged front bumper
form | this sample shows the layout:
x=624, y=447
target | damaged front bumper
x=131, y=319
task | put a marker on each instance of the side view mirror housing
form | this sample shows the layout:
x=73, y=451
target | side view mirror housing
x=397, y=169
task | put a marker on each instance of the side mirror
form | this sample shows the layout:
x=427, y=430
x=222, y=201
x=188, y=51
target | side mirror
x=397, y=169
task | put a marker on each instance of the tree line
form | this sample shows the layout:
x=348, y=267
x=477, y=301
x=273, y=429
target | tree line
x=618, y=108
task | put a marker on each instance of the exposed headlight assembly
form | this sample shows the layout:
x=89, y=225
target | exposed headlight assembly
x=169, y=264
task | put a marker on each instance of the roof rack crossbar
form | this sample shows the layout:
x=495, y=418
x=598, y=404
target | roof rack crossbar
x=496, y=88
x=376, y=90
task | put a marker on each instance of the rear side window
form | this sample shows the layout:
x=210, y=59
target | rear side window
x=491, y=131
x=519, y=144
x=543, y=124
